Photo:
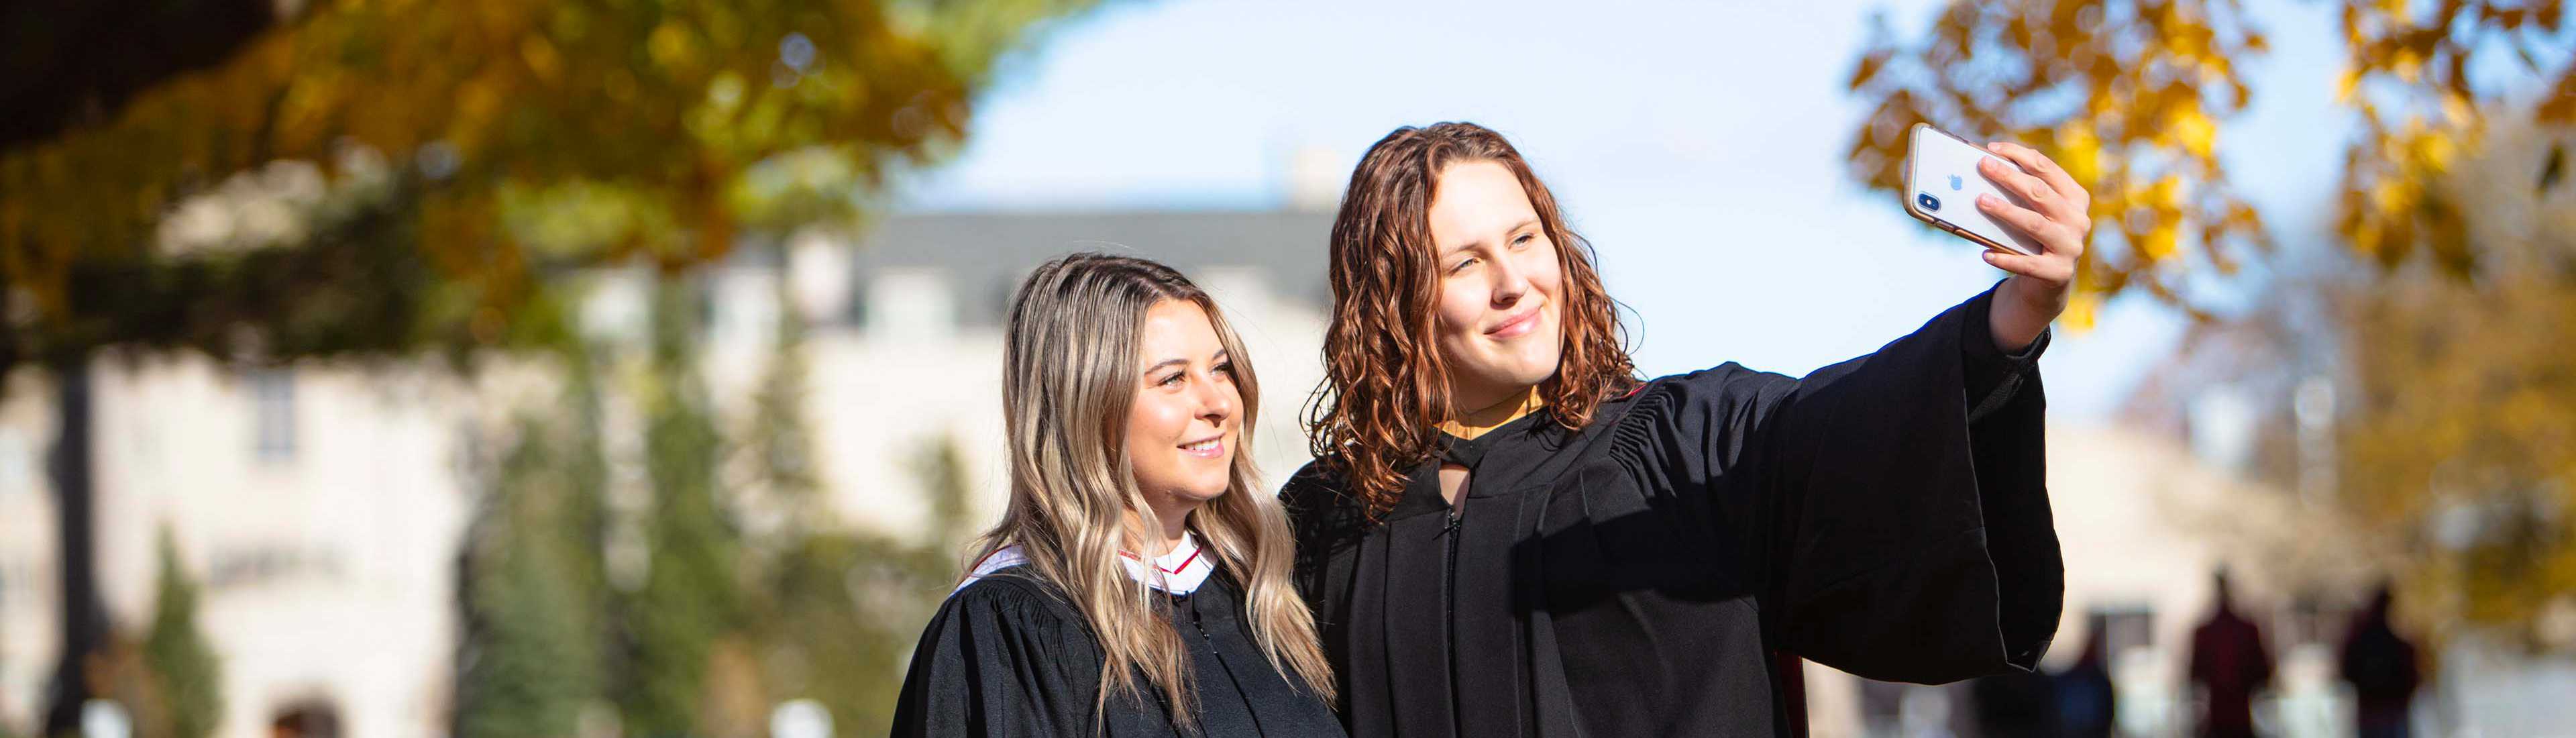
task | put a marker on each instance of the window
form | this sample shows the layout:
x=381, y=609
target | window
x=910, y=305
x=272, y=392
x=2124, y=626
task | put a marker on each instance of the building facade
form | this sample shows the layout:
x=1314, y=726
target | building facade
x=322, y=506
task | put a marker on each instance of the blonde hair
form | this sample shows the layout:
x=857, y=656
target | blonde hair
x=1067, y=383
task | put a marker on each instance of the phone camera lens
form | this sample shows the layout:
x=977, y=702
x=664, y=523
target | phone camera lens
x=1929, y=203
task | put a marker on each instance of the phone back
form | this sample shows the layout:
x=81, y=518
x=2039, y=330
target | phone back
x=1942, y=185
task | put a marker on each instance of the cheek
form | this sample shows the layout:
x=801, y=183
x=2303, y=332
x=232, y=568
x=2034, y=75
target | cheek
x=1547, y=274
x=1151, y=424
x=1546, y=278
x=1457, y=311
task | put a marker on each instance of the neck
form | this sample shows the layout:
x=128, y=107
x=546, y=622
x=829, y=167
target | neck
x=1470, y=423
x=1174, y=515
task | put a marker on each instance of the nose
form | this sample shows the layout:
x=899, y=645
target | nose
x=1510, y=282
x=1216, y=401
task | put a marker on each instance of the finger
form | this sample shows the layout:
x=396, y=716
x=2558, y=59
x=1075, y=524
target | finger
x=2032, y=191
x=2028, y=222
x=2029, y=266
x=2047, y=169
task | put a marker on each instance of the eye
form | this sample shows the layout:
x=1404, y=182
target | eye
x=1169, y=380
x=1226, y=369
x=1524, y=239
x=1462, y=265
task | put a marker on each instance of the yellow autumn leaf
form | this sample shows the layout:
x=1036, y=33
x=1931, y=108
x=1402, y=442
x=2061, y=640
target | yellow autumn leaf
x=2408, y=64
x=2435, y=150
x=2193, y=130
x=543, y=61
x=2159, y=243
x=2184, y=41
x=2080, y=152
x=670, y=46
x=2081, y=310
x=2166, y=195
x=2391, y=195
x=2456, y=110
x=2366, y=237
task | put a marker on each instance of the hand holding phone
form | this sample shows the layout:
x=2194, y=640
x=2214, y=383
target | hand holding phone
x=2032, y=217
x=1943, y=182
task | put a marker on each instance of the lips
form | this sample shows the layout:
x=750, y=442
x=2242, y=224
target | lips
x=1205, y=448
x=1515, y=326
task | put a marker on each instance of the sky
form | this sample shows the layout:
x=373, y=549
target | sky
x=1698, y=146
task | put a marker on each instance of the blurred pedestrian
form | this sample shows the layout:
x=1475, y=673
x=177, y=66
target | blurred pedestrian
x=2087, y=702
x=2228, y=664
x=2381, y=667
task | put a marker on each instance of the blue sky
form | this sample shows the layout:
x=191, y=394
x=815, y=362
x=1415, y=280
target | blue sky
x=1698, y=146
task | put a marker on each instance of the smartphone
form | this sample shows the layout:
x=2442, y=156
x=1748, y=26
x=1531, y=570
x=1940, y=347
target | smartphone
x=1942, y=185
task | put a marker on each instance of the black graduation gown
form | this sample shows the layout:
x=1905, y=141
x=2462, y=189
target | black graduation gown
x=1885, y=516
x=1008, y=656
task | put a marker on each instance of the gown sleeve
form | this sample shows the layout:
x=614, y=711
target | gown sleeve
x=1891, y=509
x=1000, y=661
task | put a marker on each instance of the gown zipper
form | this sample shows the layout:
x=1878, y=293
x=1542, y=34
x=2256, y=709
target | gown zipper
x=1449, y=564
x=1449, y=588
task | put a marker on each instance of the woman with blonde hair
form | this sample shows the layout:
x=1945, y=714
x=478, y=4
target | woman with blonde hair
x=1138, y=585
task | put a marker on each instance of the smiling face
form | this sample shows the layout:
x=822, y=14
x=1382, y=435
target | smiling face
x=1499, y=324
x=1182, y=429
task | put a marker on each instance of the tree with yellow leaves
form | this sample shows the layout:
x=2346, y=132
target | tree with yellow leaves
x=2129, y=94
x=2458, y=453
x=377, y=177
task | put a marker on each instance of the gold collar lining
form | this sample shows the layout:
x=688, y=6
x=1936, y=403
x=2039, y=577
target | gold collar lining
x=1527, y=402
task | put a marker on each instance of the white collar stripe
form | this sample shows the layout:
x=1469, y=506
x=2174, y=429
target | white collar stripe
x=1179, y=572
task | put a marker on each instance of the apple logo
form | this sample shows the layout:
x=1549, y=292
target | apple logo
x=1954, y=182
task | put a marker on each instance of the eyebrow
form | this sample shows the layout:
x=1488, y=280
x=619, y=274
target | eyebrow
x=1516, y=227
x=1158, y=366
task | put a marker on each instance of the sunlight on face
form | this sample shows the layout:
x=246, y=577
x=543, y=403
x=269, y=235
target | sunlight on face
x=1499, y=322
x=1181, y=430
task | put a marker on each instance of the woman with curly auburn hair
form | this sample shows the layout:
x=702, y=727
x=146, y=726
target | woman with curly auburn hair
x=1137, y=585
x=1506, y=532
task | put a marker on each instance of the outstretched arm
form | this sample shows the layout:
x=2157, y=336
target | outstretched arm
x=2050, y=208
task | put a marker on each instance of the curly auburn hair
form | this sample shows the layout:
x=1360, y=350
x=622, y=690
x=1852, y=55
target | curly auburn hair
x=1385, y=388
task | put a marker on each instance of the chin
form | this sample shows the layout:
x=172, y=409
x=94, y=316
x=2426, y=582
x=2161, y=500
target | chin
x=1536, y=369
x=1206, y=492
x=1537, y=378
